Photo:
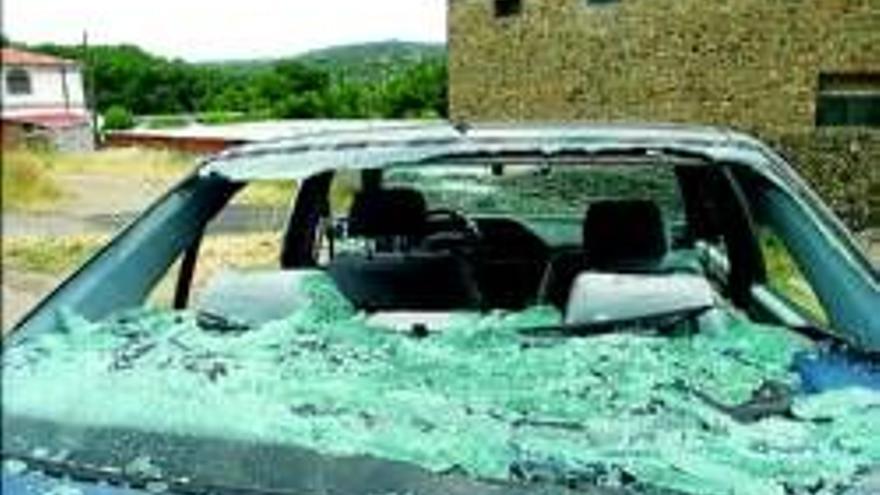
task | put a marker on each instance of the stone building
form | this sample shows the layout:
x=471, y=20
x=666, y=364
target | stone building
x=802, y=74
x=43, y=99
x=768, y=66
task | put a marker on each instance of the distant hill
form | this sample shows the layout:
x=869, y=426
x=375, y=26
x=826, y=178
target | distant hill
x=364, y=61
x=370, y=60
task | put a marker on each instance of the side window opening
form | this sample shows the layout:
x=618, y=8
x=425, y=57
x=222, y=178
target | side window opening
x=245, y=235
x=785, y=278
x=783, y=257
x=330, y=229
x=705, y=222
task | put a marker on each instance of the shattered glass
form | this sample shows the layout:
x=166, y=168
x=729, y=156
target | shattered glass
x=473, y=395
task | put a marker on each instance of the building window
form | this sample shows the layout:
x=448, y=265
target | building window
x=507, y=8
x=18, y=82
x=851, y=99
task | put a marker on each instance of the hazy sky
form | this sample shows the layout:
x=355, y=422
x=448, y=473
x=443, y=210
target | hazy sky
x=220, y=29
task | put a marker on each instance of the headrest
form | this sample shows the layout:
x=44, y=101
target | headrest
x=623, y=234
x=387, y=212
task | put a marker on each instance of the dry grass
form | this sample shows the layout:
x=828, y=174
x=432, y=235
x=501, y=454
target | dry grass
x=37, y=180
x=218, y=253
x=267, y=194
x=55, y=255
x=49, y=254
x=27, y=181
x=147, y=163
x=59, y=256
x=237, y=251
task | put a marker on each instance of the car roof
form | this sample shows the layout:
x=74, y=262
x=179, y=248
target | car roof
x=421, y=143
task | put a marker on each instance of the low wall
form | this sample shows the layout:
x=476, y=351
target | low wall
x=194, y=145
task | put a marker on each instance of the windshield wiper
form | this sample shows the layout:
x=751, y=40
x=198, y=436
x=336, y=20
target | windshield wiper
x=207, y=320
x=659, y=323
x=770, y=399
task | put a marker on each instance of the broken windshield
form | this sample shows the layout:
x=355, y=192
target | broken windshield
x=471, y=395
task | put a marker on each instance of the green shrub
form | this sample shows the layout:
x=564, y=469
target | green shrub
x=224, y=118
x=117, y=118
x=167, y=122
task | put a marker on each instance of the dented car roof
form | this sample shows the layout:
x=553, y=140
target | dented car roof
x=430, y=143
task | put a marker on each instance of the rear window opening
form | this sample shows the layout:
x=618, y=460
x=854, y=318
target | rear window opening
x=451, y=237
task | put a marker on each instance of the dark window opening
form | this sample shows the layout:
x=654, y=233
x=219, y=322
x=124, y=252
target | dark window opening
x=597, y=3
x=507, y=8
x=848, y=100
x=18, y=82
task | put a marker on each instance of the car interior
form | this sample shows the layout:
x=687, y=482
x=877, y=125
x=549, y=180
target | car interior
x=392, y=250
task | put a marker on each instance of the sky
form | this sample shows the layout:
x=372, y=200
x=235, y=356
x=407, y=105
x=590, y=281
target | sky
x=199, y=30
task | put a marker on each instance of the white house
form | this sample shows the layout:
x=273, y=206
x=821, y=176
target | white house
x=44, y=95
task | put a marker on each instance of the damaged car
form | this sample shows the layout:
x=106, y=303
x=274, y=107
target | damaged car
x=473, y=309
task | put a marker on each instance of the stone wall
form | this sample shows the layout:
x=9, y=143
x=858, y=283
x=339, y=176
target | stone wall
x=753, y=65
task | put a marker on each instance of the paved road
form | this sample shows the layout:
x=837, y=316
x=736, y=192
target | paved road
x=236, y=219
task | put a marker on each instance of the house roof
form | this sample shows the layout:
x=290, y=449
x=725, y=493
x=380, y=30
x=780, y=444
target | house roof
x=15, y=56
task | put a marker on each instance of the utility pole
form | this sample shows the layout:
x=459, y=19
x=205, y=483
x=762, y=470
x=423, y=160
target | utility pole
x=89, y=76
x=65, y=89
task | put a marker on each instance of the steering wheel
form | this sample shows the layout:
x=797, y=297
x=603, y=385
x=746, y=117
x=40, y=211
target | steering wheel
x=448, y=227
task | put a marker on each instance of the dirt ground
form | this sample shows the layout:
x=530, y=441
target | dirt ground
x=21, y=292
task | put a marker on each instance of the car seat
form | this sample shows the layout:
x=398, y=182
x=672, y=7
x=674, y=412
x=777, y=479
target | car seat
x=618, y=236
x=393, y=274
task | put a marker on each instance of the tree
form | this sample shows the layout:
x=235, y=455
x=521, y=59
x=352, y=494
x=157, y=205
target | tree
x=127, y=77
x=420, y=91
